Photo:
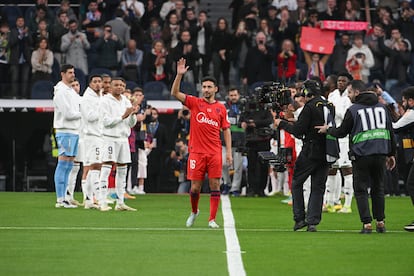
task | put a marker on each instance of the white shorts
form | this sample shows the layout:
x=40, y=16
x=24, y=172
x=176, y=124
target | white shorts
x=79, y=156
x=116, y=150
x=142, y=163
x=343, y=161
x=92, y=150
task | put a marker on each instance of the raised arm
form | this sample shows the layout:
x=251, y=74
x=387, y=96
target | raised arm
x=175, y=89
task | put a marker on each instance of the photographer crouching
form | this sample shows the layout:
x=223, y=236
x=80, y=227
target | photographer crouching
x=312, y=159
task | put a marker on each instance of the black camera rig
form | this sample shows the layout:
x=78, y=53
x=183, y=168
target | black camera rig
x=277, y=161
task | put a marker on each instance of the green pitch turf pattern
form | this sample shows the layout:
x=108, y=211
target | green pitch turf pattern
x=37, y=239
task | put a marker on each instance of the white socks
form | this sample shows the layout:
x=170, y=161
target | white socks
x=120, y=183
x=348, y=190
x=72, y=181
x=103, y=184
x=330, y=190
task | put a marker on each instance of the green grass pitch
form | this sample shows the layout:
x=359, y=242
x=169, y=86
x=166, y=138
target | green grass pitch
x=37, y=239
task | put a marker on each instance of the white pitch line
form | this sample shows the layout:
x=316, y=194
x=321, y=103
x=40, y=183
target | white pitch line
x=82, y=228
x=233, y=251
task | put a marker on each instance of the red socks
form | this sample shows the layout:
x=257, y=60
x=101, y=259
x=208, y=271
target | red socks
x=194, y=198
x=214, y=204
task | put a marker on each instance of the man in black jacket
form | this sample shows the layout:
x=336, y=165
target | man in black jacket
x=372, y=149
x=311, y=160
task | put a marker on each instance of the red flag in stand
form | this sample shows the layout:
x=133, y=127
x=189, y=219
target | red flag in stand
x=317, y=41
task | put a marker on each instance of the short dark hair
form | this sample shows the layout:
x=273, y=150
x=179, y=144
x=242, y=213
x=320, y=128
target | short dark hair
x=138, y=89
x=358, y=85
x=408, y=93
x=65, y=67
x=105, y=75
x=119, y=78
x=91, y=77
x=72, y=21
x=233, y=88
x=209, y=78
x=345, y=74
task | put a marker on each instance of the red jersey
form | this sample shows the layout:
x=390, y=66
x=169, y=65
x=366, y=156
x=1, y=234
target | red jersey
x=206, y=121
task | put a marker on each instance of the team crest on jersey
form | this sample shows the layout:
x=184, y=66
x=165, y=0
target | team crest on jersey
x=218, y=110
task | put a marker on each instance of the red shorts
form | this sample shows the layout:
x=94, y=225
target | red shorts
x=199, y=164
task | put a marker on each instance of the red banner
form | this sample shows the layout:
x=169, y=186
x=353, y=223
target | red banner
x=317, y=41
x=344, y=25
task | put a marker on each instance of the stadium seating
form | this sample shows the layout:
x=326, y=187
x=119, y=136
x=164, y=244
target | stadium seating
x=11, y=13
x=156, y=90
x=131, y=85
x=100, y=71
x=55, y=71
x=42, y=89
x=188, y=88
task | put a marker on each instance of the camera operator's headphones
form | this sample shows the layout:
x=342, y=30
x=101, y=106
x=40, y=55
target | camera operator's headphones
x=311, y=88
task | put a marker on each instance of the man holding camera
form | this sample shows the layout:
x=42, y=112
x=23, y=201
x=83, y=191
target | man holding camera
x=311, y=160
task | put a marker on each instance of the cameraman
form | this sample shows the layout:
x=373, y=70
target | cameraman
x=311, y=160
x=237, y=142
x=256, y=121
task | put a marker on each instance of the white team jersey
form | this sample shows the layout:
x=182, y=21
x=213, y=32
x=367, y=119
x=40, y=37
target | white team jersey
x=112, y=111
x=67, y=116
x=90, y=106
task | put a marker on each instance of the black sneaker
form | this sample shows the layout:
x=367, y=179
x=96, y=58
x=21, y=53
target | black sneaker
x=366, y=229
x=381, y=227
x=311, y=228
x=299, y=225
x=409, y=227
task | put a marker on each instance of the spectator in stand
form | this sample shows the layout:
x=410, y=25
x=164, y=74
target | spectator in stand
x=249, y=12
x=4, y=58
x=242, y=43
x=31, y=11
x=360, y=55
x=267, y=31
x=171, y=31
x=154, y=31
x=291, y=5
x=166, y=8
x=42, y=61
x=271, y=16
x=316, y=65
x=221, y=44
x=312, y=19
x=340, y=52
x=133, y=9
x=204, y=33
x=60, y=28
x=65, y=7
x=74, y=45
x=386, y=19
x=93, y=21
x=398, y=61
x=131, y=62
x=152, y=10
x=41, y=32
x=180, y=157
x=331, y=13
x=179, y=10
x=181, y=128
x=185, y=49
x=190, y=23
x=157, y=63
x=107, y=47
x=235, y=6
x=299, y=15
x=406, y=26
x=20, y=45
x=376, y=71
x=286, y=62
x=157, y=134
x=350, y=11
x=258, y=63
x=395, y=37
x=284, y=29
x=41, y=14
x=119, y=27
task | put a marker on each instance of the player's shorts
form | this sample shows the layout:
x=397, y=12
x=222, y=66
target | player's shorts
x=67, y=144
x=80, y=155
x=91, y=150
x=142, y=163
x=116, y=150
x=199, y=164
x=343, y=161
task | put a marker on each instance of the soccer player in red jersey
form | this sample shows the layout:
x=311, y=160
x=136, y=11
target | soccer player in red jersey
x=208, y=117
